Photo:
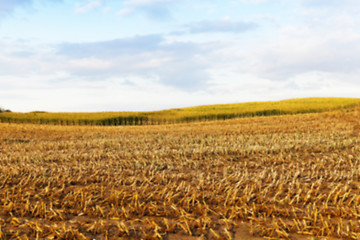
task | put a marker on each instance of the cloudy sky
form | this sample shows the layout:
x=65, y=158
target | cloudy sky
x=121, y=55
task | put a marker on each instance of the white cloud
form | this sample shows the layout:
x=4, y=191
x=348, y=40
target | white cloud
x=296, y=50
x=90, y=64
x=8, y=6
x=153, y=62
x=329, y=3
x=254, y=1
x=125, y=11
x=142, y=3
x=88, y=6
x=174, y=63
x=65, y=92
x=221, y=26
x=153, y=9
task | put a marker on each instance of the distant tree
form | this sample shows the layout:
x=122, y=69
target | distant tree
x=4, y=110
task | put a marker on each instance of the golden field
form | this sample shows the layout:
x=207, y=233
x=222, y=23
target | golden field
x=184, y=115
x=279, y=177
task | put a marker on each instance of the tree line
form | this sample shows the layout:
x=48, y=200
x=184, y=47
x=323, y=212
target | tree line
x=4, y=110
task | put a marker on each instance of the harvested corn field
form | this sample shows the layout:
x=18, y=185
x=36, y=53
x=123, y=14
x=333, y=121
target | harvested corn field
x=283, y=177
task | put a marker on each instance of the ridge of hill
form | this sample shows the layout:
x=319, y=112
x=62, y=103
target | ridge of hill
x=188, y=114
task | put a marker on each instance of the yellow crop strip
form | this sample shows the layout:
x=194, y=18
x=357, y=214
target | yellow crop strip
x=190, y=114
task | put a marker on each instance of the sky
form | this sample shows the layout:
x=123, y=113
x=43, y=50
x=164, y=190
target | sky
x=143, y=55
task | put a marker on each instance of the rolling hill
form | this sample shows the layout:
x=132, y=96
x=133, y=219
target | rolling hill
x=189, y=114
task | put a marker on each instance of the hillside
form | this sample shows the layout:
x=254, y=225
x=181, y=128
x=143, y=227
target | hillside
x=189, y=114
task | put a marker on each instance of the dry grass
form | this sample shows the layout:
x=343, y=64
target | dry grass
x=285, y=177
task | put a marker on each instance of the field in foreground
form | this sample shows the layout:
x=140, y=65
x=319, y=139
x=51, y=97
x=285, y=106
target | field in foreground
x=289, y=177
x=184, y=115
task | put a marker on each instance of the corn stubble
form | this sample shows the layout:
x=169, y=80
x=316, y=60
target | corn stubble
x=288, y=177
